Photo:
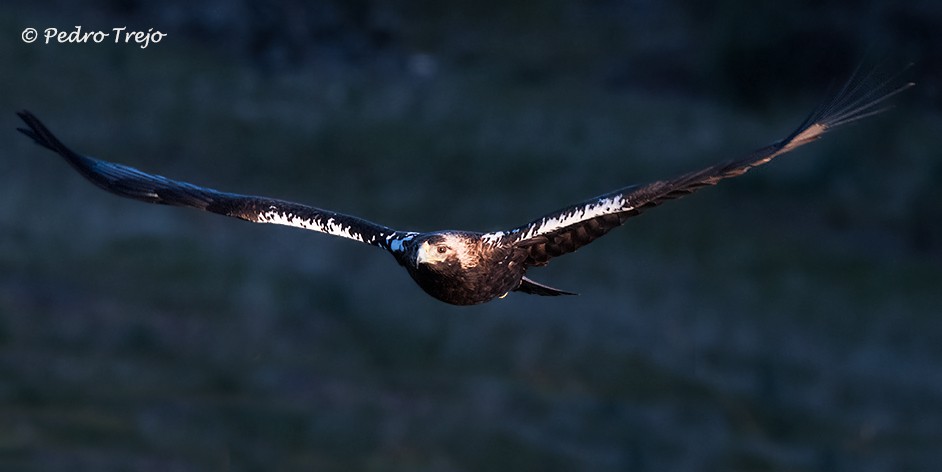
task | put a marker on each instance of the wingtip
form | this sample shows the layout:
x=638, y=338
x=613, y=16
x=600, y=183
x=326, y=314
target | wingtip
x=29, y=119
x=26, y=115
x=42, y=136
x=35, y=130
x=27, y=132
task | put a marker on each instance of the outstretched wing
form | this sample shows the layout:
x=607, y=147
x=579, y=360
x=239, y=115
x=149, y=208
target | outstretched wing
x=132, y=183
x=568, y=229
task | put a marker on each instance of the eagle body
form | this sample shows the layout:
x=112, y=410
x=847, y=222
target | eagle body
x=467, y=267
x=460, y=267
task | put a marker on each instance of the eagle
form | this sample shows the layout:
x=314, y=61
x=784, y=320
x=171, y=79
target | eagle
x=469, y=267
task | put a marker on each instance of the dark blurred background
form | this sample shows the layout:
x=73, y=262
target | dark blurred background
x=785, y=320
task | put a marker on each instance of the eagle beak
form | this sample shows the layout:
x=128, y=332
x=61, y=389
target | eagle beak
x=421, y=256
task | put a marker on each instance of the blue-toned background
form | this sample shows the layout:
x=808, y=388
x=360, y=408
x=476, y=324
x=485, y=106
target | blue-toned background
x=790, y=319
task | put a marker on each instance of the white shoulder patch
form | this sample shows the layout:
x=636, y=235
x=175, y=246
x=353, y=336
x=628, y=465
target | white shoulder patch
x=330, y=225
x=494, y=237
x=602, y=206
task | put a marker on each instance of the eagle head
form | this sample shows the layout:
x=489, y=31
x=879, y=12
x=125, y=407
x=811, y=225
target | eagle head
x=447, y=250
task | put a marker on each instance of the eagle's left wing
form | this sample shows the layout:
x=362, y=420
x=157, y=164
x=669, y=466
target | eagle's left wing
x=568, y=229
x=129, y=182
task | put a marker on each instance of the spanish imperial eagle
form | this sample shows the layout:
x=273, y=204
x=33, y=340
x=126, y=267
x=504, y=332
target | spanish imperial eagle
x=467, y=267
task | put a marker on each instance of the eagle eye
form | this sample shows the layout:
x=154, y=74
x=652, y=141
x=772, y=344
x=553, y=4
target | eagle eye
x=442, y=249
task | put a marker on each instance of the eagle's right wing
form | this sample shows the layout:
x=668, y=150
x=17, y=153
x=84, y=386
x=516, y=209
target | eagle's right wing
x=568, y=229
x=132, y=183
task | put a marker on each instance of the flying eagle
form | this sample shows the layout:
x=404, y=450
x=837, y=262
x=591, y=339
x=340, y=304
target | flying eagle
x=467, y=267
